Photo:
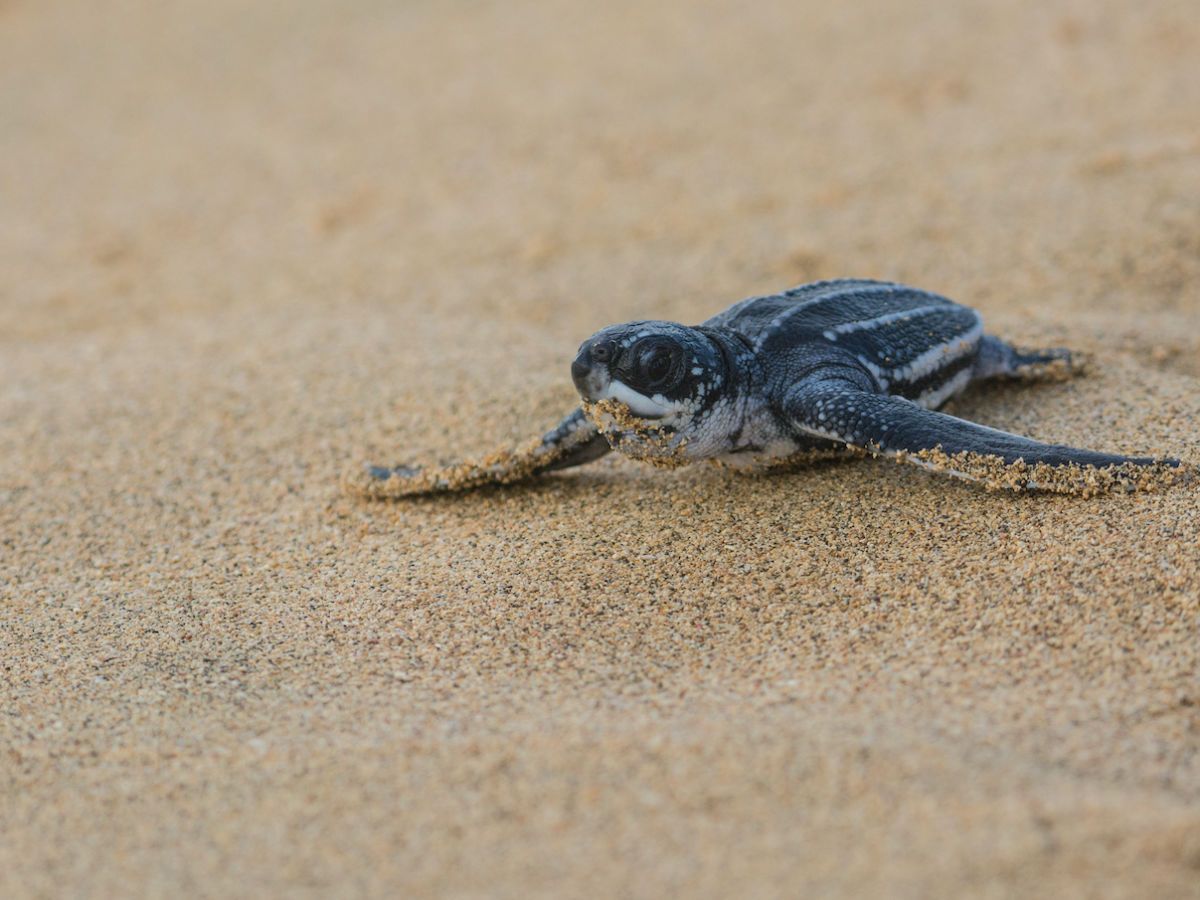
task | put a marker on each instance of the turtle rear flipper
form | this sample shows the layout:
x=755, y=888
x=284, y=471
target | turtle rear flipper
x=996, y=358
x=893, y=426
x=573, y=442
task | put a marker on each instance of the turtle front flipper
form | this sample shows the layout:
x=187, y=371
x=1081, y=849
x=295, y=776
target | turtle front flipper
x=573, y=442
x=844, y=411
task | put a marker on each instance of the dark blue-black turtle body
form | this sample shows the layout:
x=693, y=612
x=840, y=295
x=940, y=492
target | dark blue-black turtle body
x=912, y=342
x=833, y=364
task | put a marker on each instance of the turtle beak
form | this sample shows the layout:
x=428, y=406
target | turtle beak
x=590, y=373
x=581, y=369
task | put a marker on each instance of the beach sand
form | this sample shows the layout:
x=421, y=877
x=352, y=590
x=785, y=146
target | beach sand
x=247, y=245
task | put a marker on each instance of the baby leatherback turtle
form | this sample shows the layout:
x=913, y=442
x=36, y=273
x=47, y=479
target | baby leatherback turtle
x=819, y=370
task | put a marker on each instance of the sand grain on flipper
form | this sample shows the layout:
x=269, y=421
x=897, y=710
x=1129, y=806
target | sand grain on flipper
x=995, y=474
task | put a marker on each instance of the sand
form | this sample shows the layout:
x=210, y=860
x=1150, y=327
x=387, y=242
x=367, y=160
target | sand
x=245, y=245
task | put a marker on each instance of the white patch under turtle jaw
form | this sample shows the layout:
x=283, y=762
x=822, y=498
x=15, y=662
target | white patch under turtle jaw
x=656, y=407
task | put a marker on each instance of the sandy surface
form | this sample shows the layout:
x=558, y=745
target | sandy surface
x=243, y=245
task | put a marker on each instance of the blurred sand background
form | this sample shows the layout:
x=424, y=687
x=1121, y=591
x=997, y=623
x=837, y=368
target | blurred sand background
x=244, y=245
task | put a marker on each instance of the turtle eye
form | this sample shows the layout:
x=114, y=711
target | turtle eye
x=659, y=362
x=659, y=366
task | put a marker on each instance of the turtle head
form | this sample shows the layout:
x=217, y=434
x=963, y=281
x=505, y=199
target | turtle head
x=648, y=385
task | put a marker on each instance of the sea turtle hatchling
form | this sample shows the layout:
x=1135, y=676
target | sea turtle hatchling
x=820, y=370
